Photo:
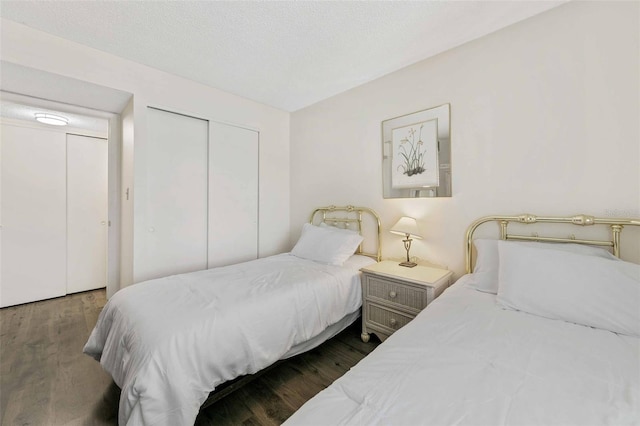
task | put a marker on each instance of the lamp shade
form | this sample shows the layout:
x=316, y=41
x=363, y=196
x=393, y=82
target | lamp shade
x=407, y=226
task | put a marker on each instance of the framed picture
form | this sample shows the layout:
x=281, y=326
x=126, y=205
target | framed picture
x=415, y=155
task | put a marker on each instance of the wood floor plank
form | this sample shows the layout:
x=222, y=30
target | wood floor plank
x=43, y=364
x=319, y=367
x=231, y=410
x=30, y=378
x=267, y=407
x=290, y=385
x=73, y=366
x=356, y=343
x=45, y=379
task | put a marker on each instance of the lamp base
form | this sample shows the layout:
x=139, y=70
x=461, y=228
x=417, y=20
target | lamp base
x=408, y=264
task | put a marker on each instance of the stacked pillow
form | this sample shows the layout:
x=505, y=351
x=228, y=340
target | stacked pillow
x=485, y=272
x=569, y=282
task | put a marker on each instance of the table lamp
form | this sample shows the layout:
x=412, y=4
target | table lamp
x=408, y=227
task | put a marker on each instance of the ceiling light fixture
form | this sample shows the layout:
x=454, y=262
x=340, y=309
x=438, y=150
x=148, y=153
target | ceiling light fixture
x=54, y=120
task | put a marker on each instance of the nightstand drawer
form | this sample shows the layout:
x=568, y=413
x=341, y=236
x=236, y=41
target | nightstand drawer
x=386, y=318
x=399, y=294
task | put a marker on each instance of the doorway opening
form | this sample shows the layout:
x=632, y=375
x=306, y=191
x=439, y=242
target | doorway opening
x=58, y=215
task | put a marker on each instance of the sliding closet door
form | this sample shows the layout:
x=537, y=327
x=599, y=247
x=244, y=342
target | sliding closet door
x=233, y=195
x=176, y=195
x=33, y=212
x=86, y=213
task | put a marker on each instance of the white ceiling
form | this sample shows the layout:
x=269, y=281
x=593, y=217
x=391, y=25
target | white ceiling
x=287, y=54
x=24, y=112
x=45, y=85
x=25, y=91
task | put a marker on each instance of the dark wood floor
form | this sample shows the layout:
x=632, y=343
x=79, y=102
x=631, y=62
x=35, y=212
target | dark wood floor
x=45, y=379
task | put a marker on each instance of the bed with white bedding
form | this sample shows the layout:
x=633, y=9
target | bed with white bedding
x=537, y=335
x=169, y=342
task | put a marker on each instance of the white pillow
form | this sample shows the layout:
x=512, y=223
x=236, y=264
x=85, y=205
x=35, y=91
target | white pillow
x=485, y=271
x=324, y=245
x=577, y=288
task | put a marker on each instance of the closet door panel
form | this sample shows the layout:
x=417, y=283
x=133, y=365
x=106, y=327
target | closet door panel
x=233, y=195
x=176, y=196
x=86, y=213
x=33, y=214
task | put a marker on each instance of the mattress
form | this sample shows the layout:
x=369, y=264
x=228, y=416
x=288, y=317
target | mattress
x=169, y=342
x=466, y=361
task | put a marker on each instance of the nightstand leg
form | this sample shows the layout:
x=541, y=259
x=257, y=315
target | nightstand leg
x=365, y=337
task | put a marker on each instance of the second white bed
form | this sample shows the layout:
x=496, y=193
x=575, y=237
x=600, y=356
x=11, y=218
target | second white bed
x=466, y=361
x=168, y=342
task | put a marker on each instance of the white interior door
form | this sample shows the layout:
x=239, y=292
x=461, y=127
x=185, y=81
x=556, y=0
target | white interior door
x=87, y=223
x=176, y=197
x=33, y=214
x=233, y=195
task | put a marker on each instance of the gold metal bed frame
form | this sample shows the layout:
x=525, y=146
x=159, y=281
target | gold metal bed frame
x=343, y=216
x=616, y=225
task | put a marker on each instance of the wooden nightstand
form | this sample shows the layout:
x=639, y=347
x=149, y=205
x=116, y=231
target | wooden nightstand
x=393, y=295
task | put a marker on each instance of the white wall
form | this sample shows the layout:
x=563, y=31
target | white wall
x=126, y=191
x=35, y=49
x=544, y=119
x=114, y=240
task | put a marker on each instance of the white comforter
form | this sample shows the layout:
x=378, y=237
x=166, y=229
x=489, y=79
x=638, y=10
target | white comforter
x=168, y=342
x=466, y=361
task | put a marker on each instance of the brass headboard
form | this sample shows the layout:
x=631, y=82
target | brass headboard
x=347, y=215
x=616, y=225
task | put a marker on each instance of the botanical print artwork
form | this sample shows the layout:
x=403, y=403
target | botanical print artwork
x=415, y=155
x=412, y=152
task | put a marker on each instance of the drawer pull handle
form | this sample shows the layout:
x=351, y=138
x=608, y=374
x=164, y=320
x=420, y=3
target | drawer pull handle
x=392, y=294
x=393, y=322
